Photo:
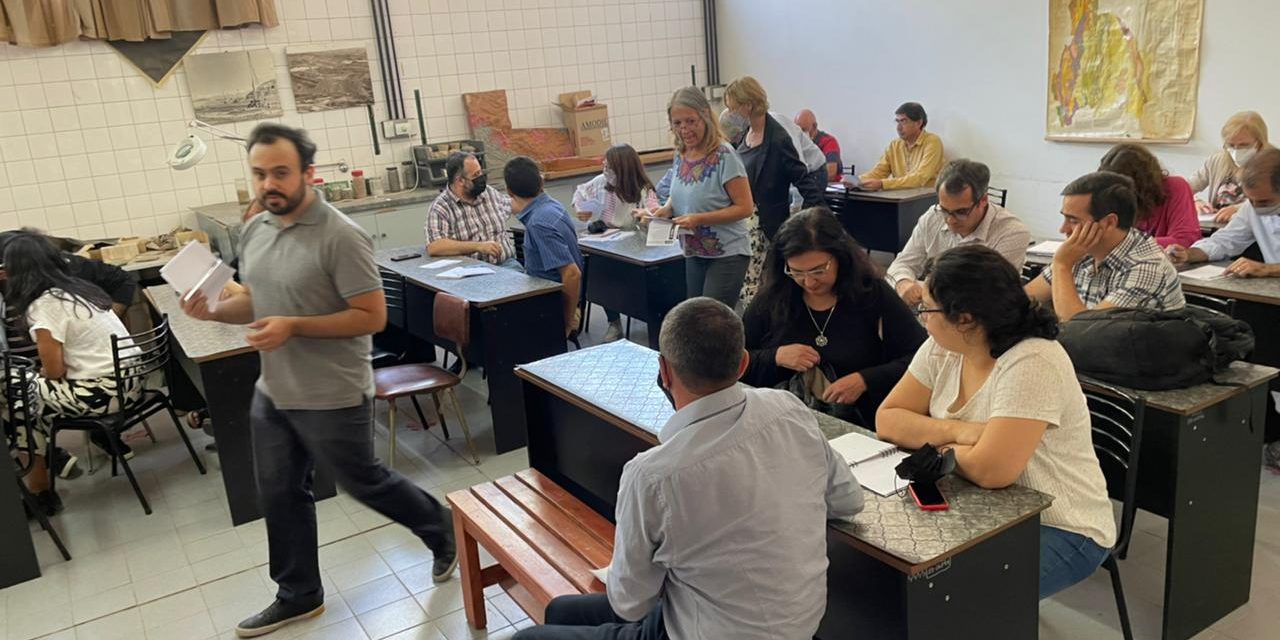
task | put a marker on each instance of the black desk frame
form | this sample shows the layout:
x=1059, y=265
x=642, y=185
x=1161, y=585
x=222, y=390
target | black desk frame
x=879, y=225
x=642, y=291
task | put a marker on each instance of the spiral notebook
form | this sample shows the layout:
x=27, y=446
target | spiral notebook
x=874, y=462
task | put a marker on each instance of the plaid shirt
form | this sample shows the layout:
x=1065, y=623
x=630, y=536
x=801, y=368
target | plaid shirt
x=484, y=221
x=1135, y=275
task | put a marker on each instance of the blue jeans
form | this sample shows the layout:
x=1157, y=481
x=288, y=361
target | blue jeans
x=1066, y=558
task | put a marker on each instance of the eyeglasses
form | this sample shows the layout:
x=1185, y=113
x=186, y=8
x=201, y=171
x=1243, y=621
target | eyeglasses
x=958, y=213
x=920, y=309
x=684, y=124
x=815, y=273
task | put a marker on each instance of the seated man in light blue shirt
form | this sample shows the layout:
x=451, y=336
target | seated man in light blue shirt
x=1257, y=220
x=550, y=239
x=721, y=528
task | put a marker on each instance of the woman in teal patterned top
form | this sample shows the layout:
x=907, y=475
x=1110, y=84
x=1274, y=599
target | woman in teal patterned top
x=710, y=201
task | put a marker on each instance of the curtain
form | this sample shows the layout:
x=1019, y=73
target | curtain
x=46, y=23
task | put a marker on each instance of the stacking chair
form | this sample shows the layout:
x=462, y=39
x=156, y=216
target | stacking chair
x=1116, y=420
x=1213, y=303
x=998, y=196
x=451, y=320
x=18, y=370
x=135, y=359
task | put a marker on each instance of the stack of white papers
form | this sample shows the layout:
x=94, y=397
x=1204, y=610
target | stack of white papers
x=195, y=268
x=1207, y=217
x=1046, y=248
x=458, y=273
x=439, y=264
x=662, y=233
x=1206, y=272
x=874, y=462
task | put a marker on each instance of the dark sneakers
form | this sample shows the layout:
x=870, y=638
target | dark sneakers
x=275, y=616
x=444, y=564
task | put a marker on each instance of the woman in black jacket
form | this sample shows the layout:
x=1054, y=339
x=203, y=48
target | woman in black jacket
x=773, y=164
x=826, y=322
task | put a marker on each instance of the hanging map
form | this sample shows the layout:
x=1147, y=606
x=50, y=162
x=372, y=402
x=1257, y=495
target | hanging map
x=1123, y=69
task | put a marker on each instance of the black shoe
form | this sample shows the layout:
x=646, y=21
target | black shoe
x=275, y=616
x=446, y=558
x=64, y=464
x=49, y=502
x=98, y=439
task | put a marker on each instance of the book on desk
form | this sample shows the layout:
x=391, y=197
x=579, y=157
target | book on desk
x=874, y=462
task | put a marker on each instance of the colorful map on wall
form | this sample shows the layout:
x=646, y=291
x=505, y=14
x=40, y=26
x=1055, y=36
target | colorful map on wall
x=1123, y=69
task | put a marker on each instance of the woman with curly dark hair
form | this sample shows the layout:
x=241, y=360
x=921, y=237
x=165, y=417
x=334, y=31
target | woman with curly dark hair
x=826, y=322
x=992, y=384
x=1166, y=205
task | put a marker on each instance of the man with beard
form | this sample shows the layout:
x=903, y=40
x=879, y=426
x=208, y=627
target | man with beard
x=313, y=297
x=469, y=218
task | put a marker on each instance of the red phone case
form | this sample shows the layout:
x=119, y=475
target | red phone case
x=928, y=507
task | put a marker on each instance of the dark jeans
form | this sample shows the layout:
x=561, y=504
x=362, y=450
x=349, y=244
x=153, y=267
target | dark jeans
x=719, y=278
x=590, y=617
x=287, y=444
x=1066, y=558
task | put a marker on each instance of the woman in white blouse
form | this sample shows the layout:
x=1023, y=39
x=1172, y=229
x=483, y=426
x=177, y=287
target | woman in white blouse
x=1243, y=135
x=611, y=197
x=992, y=384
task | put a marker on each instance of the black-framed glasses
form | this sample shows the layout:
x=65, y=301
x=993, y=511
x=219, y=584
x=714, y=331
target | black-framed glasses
x=817, y=272
x=919, y=309
x=958, y=213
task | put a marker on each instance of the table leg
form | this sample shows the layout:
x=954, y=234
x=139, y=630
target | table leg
x=515, y=333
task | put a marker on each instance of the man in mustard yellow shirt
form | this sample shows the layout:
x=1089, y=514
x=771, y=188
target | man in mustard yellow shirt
x=913, y=160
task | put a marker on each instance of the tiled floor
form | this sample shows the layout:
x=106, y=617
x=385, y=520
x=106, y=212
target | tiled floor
x=185, y=572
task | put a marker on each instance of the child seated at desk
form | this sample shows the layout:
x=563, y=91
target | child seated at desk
x=993, y=385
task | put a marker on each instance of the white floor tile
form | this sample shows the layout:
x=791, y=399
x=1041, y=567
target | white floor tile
x=378, y=593
x=392, y=618
x=125, y=625
x=420, y=632
x=102, y=604
x=172, y=608
x=358, y=572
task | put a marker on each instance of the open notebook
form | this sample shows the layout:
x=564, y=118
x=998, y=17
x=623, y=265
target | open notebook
x=873, y=462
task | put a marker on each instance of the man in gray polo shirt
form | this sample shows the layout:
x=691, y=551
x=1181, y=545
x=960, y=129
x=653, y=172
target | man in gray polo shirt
x=314, y=297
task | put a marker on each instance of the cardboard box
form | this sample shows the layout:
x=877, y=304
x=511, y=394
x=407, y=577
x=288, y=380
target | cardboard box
x=588, y=124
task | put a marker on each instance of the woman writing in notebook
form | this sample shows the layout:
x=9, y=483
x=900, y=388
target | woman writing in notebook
x=992, y=384
x=825, y=322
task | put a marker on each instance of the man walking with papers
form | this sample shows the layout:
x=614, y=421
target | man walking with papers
x=313, y=297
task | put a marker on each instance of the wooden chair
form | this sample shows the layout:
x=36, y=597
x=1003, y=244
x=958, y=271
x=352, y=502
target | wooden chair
x=545, y=541
x=451, y=319
x=18, y=371
x=1116, y=421
x=998, y=196
x=135, y=359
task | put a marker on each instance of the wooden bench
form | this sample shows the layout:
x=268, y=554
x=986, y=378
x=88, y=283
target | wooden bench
x=545, y=541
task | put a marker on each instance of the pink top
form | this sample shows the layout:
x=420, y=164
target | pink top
x=1175, y=221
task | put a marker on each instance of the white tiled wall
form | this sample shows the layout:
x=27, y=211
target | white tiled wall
x=84, y=137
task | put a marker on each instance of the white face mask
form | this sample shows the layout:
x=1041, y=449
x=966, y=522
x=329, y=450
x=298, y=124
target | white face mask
x=1241, y=156
x=1267, y=211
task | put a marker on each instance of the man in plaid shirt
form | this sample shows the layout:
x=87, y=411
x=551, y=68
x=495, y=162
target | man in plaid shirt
x=469, y=218
x=1104, y=262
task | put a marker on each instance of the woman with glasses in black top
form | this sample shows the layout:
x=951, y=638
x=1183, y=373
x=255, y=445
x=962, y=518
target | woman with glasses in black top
x=825, y=323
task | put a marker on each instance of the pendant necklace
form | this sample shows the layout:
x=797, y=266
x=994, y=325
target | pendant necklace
x=821, y=340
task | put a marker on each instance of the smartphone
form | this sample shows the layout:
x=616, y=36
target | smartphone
x=928, y=496
x=405, y=256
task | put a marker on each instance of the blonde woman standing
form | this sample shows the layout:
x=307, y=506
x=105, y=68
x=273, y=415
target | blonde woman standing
x=1243, y=135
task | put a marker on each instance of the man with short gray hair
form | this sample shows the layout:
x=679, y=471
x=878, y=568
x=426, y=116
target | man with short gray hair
x=964, y=215
x=721, y=528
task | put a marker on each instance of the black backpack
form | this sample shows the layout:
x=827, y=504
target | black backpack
x=1154, y=350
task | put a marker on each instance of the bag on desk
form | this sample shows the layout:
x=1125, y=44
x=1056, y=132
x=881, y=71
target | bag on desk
x=1154, y=350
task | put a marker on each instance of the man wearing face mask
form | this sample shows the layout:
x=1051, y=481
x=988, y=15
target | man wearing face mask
x=312, y=297
x=680, y=571
x=469, y=218
x=1257, y=220
x=1105, y=262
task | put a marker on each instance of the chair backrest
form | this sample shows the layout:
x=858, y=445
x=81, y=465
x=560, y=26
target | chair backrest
x=998, y=196
x=139, y=355
x=451, y=320
x=17, y=341
x=394, y=289
x=1213, y=303
x=1116, y=422
x=19, y=371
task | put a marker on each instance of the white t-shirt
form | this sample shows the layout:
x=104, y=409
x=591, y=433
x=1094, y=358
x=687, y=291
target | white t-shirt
x=84, y=331
x=1034, y=380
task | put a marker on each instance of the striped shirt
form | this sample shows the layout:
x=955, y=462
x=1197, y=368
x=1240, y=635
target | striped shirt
x=1135, y=275
x=484, y=220
x=550, y=240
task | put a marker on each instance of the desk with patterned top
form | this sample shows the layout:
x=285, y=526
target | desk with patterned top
x=215, y=369
x=896, y=571
x=515, y=318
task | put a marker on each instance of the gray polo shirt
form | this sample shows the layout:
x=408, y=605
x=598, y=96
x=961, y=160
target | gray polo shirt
x=310, y=268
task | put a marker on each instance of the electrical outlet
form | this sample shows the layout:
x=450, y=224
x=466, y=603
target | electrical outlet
x=393, y=129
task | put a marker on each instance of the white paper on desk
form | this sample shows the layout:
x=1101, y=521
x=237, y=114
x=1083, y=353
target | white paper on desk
x=457, y=273
x=601, y=574
x=881, y=475
x=1046, y=248
x=662, y=233
x=439, y=264
x=611, y=237
x=1207, y=217
x=1206, y=272
x=195, y=268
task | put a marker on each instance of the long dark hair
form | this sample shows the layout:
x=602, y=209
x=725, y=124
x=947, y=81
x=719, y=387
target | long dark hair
x=35, y=267
x=975, y=280
x=629, y=173
x=814, y=229
x=1140, y=165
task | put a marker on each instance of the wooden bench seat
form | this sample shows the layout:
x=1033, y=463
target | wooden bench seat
x=545, y=541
